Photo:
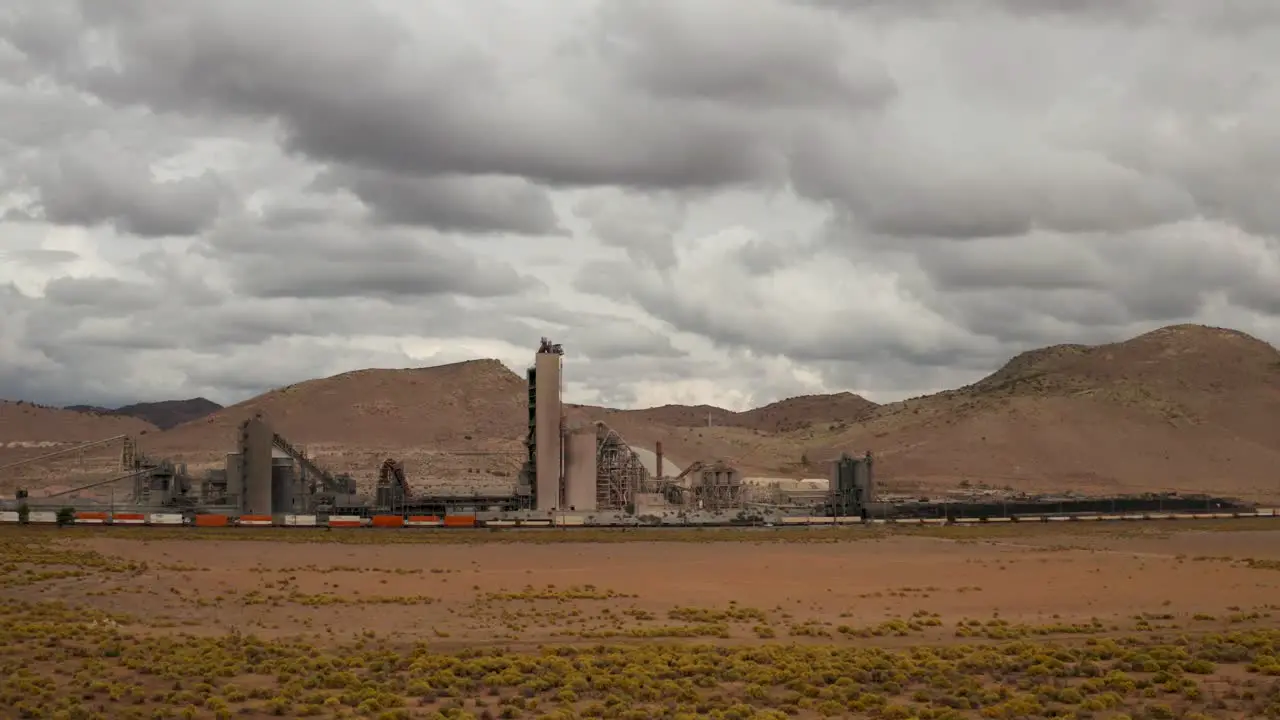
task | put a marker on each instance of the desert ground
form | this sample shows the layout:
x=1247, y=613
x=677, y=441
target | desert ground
x=1139, y=621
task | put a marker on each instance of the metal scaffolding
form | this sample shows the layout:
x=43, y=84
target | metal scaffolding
x=619, y=472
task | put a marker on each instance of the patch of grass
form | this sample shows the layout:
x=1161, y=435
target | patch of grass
x=60, y=661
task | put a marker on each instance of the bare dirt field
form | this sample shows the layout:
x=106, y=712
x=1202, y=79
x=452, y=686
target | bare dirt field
x=1107, y=622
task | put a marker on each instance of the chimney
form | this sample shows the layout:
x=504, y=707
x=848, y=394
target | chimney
x=658, y=452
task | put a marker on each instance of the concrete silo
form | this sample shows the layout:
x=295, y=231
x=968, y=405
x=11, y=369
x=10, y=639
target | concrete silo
x=284, y=480
x=580, y=475
x=547, y=448
x=255, y=457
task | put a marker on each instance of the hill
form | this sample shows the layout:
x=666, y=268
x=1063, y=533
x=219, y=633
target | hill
x=28, y=431
x=795, y=413
x=353, y=421
x=1186, y=408
x=26, y=425
x=799, y=413
x=164, y=414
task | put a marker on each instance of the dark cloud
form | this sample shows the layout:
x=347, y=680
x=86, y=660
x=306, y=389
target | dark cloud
x=119, y=295
x=327, y=261
x=706, y=202
x=100, y=186
x=457, y=203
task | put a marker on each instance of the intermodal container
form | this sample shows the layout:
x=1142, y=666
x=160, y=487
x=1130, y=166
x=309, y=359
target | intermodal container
x=387, y=521
x=91, y=518
x=254, y=520
x=422, y=521
x=345, y=521
x=126, y=518
x=300, y=520
x=8, y=516
x=165, y=519
x=459, y=520
x=212, y=520
x=42, y=517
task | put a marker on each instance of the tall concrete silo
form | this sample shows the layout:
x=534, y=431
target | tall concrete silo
x=255, y=458
x=235, y=479
x=580, y=476
x=283, y=483
x=549, y=450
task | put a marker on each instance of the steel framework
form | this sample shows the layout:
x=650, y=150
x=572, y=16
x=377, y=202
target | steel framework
x=619, y=472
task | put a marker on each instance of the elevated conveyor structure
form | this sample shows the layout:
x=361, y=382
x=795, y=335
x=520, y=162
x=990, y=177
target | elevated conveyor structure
x=127, y=452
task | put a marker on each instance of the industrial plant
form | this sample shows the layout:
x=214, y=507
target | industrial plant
x=574, y=473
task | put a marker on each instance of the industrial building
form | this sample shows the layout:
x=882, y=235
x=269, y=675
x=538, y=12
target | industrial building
x=584, y=468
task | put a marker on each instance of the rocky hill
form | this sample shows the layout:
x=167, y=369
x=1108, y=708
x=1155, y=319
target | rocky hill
x=795, y=413
x=353, y=421
x=23, y=424
x=1182, y=408
x=28, y=431
x=164, y=414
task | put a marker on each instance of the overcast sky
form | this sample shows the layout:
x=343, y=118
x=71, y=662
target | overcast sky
x=721, y=201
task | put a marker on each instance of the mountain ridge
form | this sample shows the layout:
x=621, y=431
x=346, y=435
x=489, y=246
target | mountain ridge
x=1184, y=406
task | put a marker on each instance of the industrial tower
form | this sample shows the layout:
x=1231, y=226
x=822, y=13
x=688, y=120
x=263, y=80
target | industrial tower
x=545, y=464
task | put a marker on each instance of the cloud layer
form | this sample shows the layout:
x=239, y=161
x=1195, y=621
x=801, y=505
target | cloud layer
x=705, y=201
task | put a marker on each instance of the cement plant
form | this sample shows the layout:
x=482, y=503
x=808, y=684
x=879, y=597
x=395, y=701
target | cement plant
x=574, y=474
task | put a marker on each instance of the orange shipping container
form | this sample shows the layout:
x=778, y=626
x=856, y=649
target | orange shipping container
x=212, y=521
x=128, y=517
x=99, y=516
x=459, y=520
x=387, y=521
x=255, y=519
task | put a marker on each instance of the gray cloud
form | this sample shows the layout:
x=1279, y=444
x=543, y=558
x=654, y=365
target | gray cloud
x=320, y=261
x=94, y=183
x=706, y=202
x=456, y=203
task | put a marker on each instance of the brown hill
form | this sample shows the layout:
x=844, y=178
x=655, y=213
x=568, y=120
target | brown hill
x=164, y=414
x=353, y=421
x=1185, y=408
x=795, y=413
x=28, y=431
x=799, y=413
x=23, y=424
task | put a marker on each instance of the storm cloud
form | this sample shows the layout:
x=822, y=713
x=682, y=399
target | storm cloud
x=705, y=201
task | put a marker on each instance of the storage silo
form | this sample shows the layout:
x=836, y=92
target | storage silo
x=580, y=475
x=255, y=452
x=548, y=431
x=235, y=478
x=282, y=484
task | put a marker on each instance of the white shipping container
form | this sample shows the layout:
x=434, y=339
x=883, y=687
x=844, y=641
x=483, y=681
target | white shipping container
x=42, y=517
x=165, y=519
x=7, y=516
x=300, y=520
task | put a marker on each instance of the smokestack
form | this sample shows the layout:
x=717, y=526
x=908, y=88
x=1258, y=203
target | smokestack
x=658, y=452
